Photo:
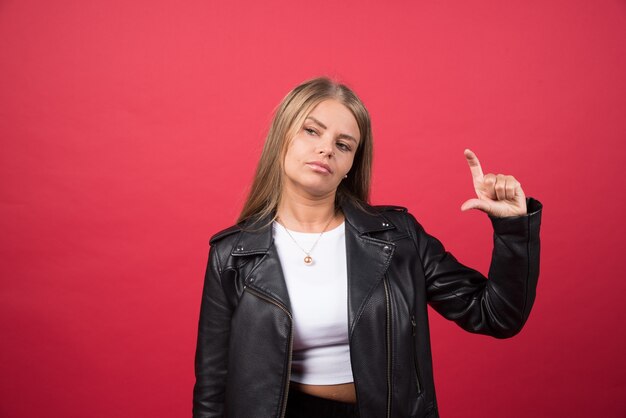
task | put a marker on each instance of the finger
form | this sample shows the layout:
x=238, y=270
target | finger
x=489, y=182
x=475, y=204
x=500, y=187
x=474, y=164
x=510, y=189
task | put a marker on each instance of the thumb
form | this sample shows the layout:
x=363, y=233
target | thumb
x=475, y=204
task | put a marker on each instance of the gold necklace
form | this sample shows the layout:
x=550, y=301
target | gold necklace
x=308, y=260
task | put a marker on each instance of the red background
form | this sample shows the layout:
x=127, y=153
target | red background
x=130, y=131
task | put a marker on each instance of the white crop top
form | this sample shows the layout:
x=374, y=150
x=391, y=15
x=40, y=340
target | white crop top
x=319, y=303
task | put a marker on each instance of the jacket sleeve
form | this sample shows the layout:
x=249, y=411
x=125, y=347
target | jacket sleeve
x=212, y=346
x=498, y=306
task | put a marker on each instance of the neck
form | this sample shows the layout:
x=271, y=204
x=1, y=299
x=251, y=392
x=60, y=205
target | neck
x=308, y=214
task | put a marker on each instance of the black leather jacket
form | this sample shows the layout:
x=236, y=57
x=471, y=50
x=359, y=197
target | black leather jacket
x=395, y=269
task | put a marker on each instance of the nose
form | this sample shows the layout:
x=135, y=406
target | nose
x=325, y=148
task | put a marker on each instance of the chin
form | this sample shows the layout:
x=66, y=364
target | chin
x=318, y=190
x=315, y=185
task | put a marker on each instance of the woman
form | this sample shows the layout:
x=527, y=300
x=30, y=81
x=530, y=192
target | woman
x=315, y=303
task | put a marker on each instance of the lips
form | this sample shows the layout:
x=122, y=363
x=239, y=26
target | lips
x=320, y=167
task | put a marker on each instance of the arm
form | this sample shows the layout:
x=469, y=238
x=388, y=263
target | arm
x=499, y=306
x=212, y=346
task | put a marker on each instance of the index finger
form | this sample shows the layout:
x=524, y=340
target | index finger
x=474, y=164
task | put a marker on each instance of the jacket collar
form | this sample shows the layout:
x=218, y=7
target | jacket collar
x=256, y=236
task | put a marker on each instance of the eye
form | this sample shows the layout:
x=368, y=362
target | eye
x=310, y=131
x=342, y=146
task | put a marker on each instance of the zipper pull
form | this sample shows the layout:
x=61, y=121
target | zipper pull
x=413, y=324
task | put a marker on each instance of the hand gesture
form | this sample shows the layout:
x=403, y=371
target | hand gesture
x=498, y=195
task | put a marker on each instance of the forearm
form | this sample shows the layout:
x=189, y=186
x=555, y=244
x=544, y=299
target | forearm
x=498, y=306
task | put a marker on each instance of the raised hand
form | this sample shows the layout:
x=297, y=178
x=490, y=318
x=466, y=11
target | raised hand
x=498, y=195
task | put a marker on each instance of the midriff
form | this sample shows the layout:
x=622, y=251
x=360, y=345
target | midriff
x=344, y=392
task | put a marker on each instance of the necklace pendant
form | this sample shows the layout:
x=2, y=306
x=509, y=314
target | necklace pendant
x=308, y=260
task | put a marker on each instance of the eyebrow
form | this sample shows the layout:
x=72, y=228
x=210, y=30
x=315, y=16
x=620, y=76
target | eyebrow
x=340, y=136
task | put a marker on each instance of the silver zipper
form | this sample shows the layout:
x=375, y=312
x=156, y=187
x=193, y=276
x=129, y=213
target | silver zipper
x=417, y=372
x=388, y=308
x=281, y=306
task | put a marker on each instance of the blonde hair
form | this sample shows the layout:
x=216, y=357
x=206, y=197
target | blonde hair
x=288, y=119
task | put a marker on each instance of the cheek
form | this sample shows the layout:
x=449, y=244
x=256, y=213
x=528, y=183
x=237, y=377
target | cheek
x=293, y=156
x=296, y=151
x=348, y=162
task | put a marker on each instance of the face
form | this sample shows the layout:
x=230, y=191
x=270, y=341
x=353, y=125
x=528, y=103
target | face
x=322, y=151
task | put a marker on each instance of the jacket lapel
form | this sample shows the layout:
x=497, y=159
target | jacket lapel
x=368, y=258
x=256, y=239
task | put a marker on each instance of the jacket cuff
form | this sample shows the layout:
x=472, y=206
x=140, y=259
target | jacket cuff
x=519, y=224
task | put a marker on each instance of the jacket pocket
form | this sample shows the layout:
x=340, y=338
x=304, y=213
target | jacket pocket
x=418, y=379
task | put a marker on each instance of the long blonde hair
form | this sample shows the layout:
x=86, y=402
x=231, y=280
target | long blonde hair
x=289, y=117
